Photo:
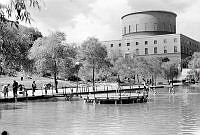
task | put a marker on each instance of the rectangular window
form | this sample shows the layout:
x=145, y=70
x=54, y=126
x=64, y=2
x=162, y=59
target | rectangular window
x=137, y=52
x=129, y=28
x=146, y=42
x=170, y=27
x=163, y=26
x=127, y=55
x=137, y=43
x=174, y=28
x=155, y=42
x=182, y=50
x=120, y=44
x=124, y=30
x=175, y=40
x=165, y=49
x=146, y=26
x=155, y=26
x=128, y=44
x=155, y=50
x=146, y=50
x=111, y=45
x=190, y=52
x=175, y=49
x=165, y=40
x=137, y=25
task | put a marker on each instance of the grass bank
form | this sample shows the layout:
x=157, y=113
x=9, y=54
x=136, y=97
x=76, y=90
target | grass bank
x=27, y=82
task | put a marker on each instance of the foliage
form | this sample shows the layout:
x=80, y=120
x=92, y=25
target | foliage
x=125, y=68
x=93, y=55
x=19, y=9
x=154, y=66
x=14, y=46
x=195, y=61
x=143, y=67
x=170, y=70
x=51, y=54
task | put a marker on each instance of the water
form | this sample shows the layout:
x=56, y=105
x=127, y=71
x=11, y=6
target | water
x=164, y=114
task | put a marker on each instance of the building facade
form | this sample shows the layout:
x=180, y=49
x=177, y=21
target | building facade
x=151, y=33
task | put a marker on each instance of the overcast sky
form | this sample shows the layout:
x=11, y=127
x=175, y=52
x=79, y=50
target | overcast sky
x=80, y=19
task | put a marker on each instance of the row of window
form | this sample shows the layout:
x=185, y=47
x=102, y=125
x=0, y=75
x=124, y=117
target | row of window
x=192, y=45
x=156, y=50
x=146, y=42
x=186, y=50
x=156, y=27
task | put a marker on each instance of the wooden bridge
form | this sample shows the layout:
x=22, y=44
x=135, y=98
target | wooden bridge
x=97, y=96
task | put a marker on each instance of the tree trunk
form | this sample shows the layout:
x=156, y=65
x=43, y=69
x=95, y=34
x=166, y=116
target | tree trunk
x=55, y=78
x=93, y=78
x=137, y=78
x=172, y=82
x=55, y=82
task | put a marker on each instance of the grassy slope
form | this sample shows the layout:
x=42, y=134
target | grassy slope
x=27, y=82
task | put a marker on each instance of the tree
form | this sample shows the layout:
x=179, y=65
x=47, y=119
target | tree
x=154, y=67
x=14, y=46
x=19, y=9
x=170, y=70
x=52, y=54
x=93, y=56
x=194, y=64
x=125, y=67
x=194, y=61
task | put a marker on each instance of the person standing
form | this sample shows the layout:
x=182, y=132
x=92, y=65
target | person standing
x=5, y=90
x=4, y=133
x=33, y=88
x=15, y=87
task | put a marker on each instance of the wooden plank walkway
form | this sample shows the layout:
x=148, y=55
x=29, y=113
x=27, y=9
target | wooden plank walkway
x=66, y=94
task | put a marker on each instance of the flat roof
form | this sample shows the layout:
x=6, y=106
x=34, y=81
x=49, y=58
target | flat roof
x=143, y=12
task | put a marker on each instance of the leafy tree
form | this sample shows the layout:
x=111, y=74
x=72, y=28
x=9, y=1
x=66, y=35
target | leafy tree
x=170, y=70
x=125, y=67
x=51, y=54
x=19, y=9
x=142, y=68
x=195, y=61
x=154, y=67
x=14, y=46
x=94, y=58
x=185, y=62
x=138, y=67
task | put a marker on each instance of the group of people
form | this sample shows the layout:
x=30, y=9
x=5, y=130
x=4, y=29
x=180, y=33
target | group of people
x=17, y=86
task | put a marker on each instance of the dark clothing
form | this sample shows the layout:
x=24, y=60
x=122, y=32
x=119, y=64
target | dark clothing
x=33, y=88
x=15, y=86
x=4, y=133
x=47, y=87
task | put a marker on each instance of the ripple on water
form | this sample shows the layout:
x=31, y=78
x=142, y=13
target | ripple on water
x=165, y=114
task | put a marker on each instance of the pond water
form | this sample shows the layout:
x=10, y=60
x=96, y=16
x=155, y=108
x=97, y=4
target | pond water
x=163, y=114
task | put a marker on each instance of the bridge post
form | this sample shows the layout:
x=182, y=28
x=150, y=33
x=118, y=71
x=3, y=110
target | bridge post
x=52, y=89
x=42, y=91
x=107, y=92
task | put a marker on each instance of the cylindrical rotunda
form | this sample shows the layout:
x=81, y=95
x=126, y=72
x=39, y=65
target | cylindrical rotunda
x=148, y=23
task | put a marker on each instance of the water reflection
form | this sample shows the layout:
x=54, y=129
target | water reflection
x=165, y=114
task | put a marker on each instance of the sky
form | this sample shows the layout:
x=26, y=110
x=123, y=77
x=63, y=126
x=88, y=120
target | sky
x=80, y=19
